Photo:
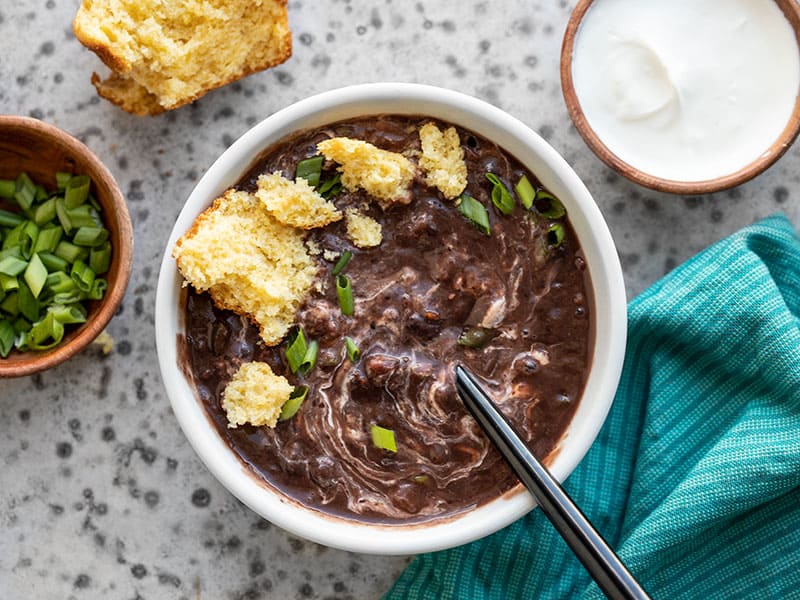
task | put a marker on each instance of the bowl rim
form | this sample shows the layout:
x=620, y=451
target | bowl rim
x=41, y=361
x=790, y=9
x=606, y=274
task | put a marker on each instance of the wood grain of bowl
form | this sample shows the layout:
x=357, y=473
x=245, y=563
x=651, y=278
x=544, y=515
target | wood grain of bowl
x=41, y=150
x=790, y=9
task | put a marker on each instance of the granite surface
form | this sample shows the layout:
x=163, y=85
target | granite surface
x=100, y=494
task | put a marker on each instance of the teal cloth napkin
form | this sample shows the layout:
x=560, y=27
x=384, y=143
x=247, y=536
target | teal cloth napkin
x=695, y=476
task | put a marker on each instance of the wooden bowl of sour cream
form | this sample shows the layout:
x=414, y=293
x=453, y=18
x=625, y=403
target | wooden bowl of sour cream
x=682, y=96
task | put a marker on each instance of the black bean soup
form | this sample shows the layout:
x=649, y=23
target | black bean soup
x=434, y=278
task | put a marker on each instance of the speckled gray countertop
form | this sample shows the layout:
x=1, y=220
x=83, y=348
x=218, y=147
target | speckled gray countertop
x=100, y=494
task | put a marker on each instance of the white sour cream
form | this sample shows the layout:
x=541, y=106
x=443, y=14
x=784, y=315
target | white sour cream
x=686, y=90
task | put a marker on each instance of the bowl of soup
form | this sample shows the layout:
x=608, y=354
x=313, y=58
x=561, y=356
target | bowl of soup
x=355, y=247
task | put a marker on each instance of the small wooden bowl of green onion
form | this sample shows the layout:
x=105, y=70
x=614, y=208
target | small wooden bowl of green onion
x=66, y=245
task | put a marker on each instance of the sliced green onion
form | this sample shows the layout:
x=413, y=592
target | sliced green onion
x=95, y=205
x=10, y=304
x=300, y=355
x=331, y=187
x=383, y=438
x=45, y=212
x=475, y=337
x=7, y=337
x=62, y=179
x=77, y=191
x=292, y=405
x=555, y=235
x=90, y=236
x=28, y=304
x=9, y=219
x=342, y=262
x=100, y=258
x=475, y=212
x=12, y=266
x=27, y=239
x=310, y=169
x=59, y=282
x=353, y=353
x=501, y=197
x=45, y=334
x=82, y=275
x=344, y=290
x=548, y=205
x=63, y=217
x=84, y=216
x=7, y=188
x=421, y=479
x=70, y=313
x=70, y=252
x=53, y=263
x=13, y=251
x=99, y=289
x=48, y=239
x=22, y=325
x=525, y=192
x=8, y=283
x=41, y=193
x=25, y=191
x=35, y=275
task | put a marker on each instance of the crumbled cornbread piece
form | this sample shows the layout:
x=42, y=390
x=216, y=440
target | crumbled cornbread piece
x=165, y=54
x=295, y=203
x=442, y=160
x=255, y=395
x=363, y=231
x=385, y=175
x=248, y=261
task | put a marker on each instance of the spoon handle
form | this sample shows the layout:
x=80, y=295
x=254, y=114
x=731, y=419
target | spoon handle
x=595, y=554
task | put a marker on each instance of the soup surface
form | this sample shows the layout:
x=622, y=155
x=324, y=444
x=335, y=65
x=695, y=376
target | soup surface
x=519, y=295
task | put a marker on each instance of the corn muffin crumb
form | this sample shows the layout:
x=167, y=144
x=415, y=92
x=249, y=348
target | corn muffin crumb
x=385, y=175
x=255, y=395
x=363, y=231
x=442, y=160
x=295, y=203
x=248, y=261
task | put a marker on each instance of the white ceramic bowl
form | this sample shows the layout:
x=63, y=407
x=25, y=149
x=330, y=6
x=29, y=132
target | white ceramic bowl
x=609, y=315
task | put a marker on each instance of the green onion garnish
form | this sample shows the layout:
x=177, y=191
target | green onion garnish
x=548, y=205
x=475, y=337
x=9, y=219
x=344, y=290
x=7, y=188
x=77, y=191
x=342, y=262
x=35, y=275
x=310, y=169
x=331, y=187
x=383, y=438
x=555, y=235
x=475, y=212
x=7, y=337
x=300, y=355
x=501, y=197
x=292, y=405
x=52, y=253
x=525, y=192
x=353, y=353
x=25, y=191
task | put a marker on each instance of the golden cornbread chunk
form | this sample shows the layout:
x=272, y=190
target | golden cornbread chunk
x=442, y=160
x=248, y=261
x=385, y=175
x=295, y=203
x=363, y=231
x=255, y=395
x=166, y=54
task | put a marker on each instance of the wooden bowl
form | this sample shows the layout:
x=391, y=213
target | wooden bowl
x=40, y=150
x=791, y=11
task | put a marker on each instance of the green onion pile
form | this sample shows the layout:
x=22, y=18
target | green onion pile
x=54, y=250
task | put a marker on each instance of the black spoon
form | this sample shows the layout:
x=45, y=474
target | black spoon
x=591, y=549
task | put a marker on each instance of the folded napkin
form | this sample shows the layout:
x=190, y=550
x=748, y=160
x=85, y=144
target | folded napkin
x=695, y=476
